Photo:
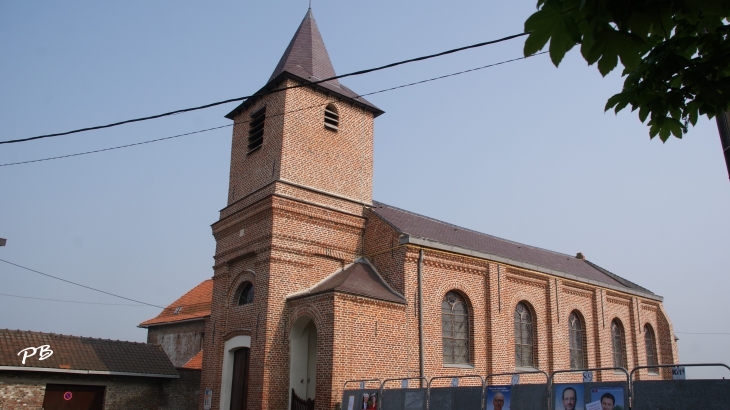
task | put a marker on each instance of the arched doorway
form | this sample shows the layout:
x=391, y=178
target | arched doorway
x=303, y=360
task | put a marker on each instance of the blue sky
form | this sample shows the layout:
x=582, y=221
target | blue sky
x=522, y=151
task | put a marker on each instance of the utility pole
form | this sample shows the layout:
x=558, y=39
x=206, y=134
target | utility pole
x=723, y=125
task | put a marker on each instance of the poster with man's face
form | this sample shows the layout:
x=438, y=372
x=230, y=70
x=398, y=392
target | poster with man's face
x=498, y=397
x=569, y=397
x=611, y=398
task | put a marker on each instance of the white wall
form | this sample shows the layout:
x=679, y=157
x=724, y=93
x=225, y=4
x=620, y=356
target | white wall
x=229, y=350
x=303, y=358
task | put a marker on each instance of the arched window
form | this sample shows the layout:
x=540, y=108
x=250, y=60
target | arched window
x=577, y=341
x=331, y=118
x=246, y=295
x=524, y=348
x=650, y=344
x=617, y=343
x=455, y=329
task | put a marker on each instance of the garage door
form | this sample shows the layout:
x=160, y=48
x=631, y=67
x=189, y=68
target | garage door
x=73, y=397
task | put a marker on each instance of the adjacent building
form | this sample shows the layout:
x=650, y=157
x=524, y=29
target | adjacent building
x=180, y=328
x=47, y=371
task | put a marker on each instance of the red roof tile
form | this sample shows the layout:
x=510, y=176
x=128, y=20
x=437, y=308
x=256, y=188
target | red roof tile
x=195, y=363
x=193, y=305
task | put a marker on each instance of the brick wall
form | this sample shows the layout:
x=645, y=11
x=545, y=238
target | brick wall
x=21, y=395
x=26, y=390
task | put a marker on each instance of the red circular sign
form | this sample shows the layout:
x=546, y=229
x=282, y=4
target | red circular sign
x=67, y=395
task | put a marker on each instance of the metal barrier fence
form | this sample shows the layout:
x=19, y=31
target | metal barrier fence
x=589, y=391
x=356, y=398
x=405, y=397
x=671, y=394
x=455, y=397
x=626, y=394
x=516, y=395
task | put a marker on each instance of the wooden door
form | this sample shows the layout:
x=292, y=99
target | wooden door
x=73, y=397
x=239, y=388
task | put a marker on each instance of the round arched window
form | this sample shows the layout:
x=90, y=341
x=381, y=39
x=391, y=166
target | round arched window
x=246, y=295
x=577, y=341
x=455, y=329
x=523, y=337
x=618, y=344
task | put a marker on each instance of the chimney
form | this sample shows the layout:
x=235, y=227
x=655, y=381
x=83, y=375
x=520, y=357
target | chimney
x=580, y=256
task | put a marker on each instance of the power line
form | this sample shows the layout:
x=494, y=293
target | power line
x=273, y=115
x=692, y=333
x=310, y=83
x=454, y=74
x=71, y=301
x=78, y=284
x=113, y=148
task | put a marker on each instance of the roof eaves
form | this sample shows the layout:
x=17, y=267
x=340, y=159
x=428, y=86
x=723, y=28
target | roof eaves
x=95, y=372
x=408, y=239
x=271, y=85
x=172, y=322
x=306, y=295
x=617, y=278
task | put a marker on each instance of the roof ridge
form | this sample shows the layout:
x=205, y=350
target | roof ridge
x=72, y=336
x=473, y=231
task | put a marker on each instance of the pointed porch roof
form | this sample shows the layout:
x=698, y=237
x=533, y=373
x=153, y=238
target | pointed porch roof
x=306, y=59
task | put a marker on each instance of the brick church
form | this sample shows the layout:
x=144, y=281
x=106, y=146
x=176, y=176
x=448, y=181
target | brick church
x=315, y=283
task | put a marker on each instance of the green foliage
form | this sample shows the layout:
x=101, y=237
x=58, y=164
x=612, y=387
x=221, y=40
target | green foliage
x=675, y=53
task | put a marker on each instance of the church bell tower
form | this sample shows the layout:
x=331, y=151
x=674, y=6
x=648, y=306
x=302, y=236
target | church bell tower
x=300, y=180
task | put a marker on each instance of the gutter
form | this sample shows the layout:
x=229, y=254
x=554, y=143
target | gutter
x=173, y=322
x=406, y=239
x=93, y=372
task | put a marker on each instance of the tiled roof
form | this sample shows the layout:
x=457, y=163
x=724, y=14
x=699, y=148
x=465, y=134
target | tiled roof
x=434, y=230
x=196, y=362
x=359, y=279
x=74, y=354
x=193, y=305
x=306, y=58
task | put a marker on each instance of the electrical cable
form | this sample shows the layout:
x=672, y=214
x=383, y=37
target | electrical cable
x=273, y=115
x=692, y=333
x=310, y=83
x=71, y=301
x=78, y=284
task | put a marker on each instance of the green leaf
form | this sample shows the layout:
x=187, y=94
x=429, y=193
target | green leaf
x=643, y=112
x=608, y=62
x=551, y=23
x=535, y=42
x=615, y=99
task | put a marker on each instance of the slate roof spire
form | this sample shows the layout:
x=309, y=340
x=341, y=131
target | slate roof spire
x=306, y=59
x=306, y=52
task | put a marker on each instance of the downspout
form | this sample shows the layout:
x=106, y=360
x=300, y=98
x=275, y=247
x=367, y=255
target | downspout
x=420, y=314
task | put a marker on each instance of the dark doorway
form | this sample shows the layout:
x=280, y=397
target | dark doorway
x=73, y=397
x=239, y=388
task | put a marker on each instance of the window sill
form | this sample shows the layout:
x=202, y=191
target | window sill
x=525, y=369
x=459, y=366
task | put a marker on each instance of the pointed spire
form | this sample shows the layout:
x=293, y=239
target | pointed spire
x=306, y=56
